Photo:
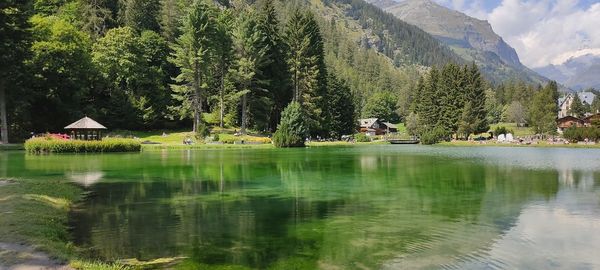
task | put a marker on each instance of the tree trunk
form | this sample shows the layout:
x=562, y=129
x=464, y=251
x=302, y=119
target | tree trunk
x=3, y=118
x=244, y=113
x=197, y=101
x=221, y=103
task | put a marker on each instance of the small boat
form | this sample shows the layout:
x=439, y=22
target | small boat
x=404, y=141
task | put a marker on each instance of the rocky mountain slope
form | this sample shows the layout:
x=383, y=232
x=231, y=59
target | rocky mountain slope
x=471, y=38
x=577, y=72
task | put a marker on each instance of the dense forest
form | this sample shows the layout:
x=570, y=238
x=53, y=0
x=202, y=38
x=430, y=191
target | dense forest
x=154, y=64
x=457, y=101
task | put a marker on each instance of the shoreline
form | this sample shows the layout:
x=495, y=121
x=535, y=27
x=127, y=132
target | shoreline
x=160, y=147
x=33, y=216
x=33, y=226
x=508, y=145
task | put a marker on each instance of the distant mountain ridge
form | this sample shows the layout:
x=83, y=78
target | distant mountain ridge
x=470, y=38
x=578, y=72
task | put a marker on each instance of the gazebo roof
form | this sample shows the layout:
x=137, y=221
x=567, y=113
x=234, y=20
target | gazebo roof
x=85, y=123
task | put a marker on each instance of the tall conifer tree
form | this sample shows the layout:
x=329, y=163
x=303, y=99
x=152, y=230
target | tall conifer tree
x=276, y=74
x=192, y=55
x=250, y=51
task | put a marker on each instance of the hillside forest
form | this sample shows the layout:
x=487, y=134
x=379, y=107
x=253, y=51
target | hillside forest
x=198, y=64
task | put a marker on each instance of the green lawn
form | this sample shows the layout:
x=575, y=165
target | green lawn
x=175, y=138
x=518, y=131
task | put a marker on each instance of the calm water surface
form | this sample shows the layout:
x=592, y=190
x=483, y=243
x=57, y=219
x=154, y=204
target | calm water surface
x=376, y=207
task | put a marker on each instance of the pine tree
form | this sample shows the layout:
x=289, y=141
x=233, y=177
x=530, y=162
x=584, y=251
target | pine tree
x=577, y=109
x=477, y=98
x=307, y=66
x=192, y=55
x=250, y=50
x=451, y=97
x=428, y=107
x=340, y=108
x=141, y=14
x=224, y=57
x=275, y=74
x=171, y=13
x=96, y=17
x=544, y=108
x=467, y=123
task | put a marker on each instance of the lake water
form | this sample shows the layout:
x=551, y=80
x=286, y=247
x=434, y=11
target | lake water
x=375, y=207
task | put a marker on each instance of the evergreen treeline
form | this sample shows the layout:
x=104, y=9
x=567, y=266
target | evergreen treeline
x=136, y=64
x=146, y=64
x=449, y=101
x=457, y=101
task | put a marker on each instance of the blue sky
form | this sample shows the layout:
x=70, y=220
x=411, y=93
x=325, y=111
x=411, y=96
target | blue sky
x=542, y=31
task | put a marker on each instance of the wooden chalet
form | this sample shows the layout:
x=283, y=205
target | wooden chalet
x=85, y=129
x=374, y=127
x=568, y=122
x=590, y=120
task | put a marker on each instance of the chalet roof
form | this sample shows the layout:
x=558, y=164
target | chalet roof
x=367, y=123
x=585, y=97
x=569, y=117
x=589, y=117
x=85, y=123
x=390, y=125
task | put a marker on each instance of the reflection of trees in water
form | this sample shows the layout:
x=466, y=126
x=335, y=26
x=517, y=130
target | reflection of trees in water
x=306, y=208
x=409, y=205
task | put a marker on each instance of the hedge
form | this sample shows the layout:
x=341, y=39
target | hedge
x=231, y=139
x=51, y=145
x=576, y=134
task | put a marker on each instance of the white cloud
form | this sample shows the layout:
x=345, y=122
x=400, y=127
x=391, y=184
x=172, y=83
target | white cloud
x=542, y=31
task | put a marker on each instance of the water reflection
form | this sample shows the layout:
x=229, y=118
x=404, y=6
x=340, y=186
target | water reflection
x=355, y=208
x=86, y=179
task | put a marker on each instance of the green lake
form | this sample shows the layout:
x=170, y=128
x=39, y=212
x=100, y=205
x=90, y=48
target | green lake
x=371, y=207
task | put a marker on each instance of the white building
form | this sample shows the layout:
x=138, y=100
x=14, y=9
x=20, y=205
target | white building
x=565, y=103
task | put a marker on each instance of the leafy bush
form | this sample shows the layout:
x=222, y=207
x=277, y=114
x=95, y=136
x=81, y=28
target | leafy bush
x=51, y=145
x=502, y=130
x=292, y=129
x=576, y=134
x=433, y=136
x=361, y=137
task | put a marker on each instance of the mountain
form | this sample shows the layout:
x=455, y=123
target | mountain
x=373, y=51
x=470, y=38
x=581, y=71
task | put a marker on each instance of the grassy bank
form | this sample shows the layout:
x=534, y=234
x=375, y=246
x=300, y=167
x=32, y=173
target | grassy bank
x=209, y=146
x=33, y=215
x=516, y=130
x=175, y=139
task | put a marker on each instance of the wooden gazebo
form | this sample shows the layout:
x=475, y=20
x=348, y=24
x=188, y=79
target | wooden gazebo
x=85, y=129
